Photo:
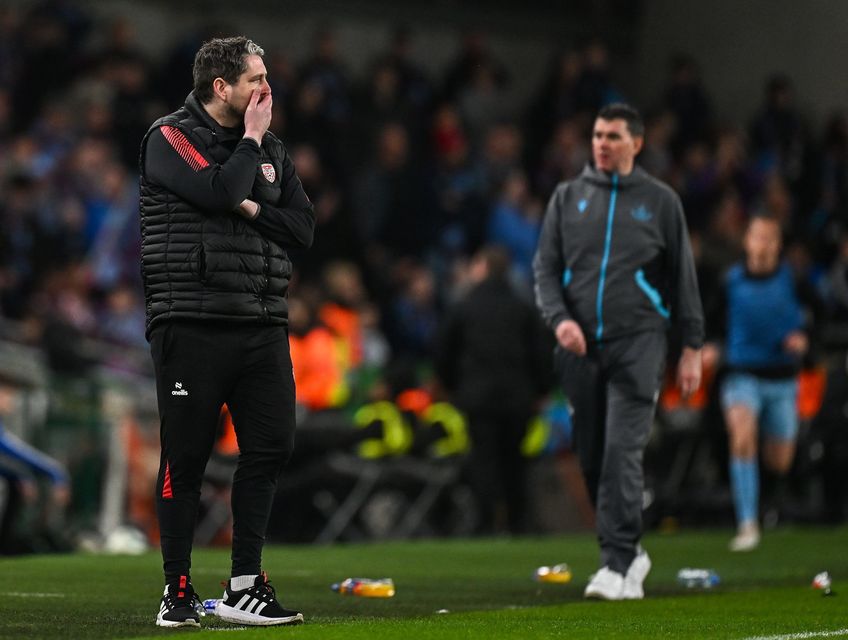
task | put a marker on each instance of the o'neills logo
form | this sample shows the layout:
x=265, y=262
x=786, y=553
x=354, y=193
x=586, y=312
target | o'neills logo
x=269, y=172
x=179, y=391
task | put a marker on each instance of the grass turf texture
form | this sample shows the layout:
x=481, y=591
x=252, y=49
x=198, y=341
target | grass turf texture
x=486, y=585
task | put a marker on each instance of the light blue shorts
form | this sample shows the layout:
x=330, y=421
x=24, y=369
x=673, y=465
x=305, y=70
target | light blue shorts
x=773, y=402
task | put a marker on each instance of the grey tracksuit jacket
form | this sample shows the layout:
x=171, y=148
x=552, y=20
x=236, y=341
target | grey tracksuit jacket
x=614, y=256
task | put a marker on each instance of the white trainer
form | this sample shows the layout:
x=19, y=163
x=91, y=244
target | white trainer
x=747, y=538
x=256, y=605
x=634, y=579
x=606, y=584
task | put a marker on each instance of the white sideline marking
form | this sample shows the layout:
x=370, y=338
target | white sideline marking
x=803, y=635
x=23, y=594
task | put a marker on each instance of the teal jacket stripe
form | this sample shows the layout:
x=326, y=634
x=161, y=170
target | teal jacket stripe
x=605, y=261
x=653, y=295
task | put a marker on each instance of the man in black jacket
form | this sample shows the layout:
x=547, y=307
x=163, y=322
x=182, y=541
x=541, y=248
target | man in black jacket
x=220, y=204
x=614, y=270
x=494, y=359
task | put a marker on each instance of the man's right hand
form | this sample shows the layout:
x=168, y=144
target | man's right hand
x=570, y=337
x=257, y=116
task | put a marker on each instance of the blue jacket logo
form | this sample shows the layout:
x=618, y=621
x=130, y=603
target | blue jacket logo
x=581, y=206
x=641, y=214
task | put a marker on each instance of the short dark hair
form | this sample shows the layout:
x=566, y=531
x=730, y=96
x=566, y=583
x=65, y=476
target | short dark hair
x=763, y=215
x=623, y=111
x=221, y=58
x=497, y=260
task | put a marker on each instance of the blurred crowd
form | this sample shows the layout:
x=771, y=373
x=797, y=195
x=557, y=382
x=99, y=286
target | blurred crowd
x=410, y=173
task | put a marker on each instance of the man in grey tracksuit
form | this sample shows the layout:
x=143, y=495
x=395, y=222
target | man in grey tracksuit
x=614, y=271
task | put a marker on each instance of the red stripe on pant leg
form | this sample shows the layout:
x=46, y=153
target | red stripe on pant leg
x=166, y=485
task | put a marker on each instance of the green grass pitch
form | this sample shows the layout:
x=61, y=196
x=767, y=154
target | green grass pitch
x=486, y=586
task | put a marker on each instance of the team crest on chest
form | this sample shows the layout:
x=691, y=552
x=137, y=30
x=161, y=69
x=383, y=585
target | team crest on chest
x=268, y=171
x=641, y=214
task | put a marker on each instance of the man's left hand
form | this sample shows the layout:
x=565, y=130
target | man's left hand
x=689, y=371
x=248, y=209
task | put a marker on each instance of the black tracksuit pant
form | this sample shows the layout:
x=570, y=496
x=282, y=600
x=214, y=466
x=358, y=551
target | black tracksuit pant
x=613, y=393
x=199, y=367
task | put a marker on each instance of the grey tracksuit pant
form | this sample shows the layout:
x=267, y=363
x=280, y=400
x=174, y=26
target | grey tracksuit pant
x=613, y=392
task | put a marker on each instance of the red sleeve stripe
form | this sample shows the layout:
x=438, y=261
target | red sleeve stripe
x=184, y=148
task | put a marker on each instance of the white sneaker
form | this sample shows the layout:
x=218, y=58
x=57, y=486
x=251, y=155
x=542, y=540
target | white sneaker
x=606, y=584
x=256, y=605
x=635, y=577
x=180, y=607
x=747, y=538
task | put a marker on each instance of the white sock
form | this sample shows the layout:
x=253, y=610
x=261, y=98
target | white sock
x=239, y=583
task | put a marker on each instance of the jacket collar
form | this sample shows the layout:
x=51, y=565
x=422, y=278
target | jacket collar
x=602, y=178
x=196, y=109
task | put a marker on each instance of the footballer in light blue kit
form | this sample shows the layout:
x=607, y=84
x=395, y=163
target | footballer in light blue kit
x=765, y=341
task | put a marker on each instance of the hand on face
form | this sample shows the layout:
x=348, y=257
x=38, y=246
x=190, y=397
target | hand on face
x=257, y=116
x=251, y=96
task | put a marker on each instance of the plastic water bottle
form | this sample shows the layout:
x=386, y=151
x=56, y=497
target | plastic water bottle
x=365, y=587
x=559, y=573
x=822, y=581
x=698, y=578
x=209, y=606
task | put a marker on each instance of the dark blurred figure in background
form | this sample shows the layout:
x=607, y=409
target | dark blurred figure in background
x=778, y=136
x=333, y=220
x=494, y=360
x=392, y=201
x=687, y=100
x=49, y=49
x=474, y=54
x=415, y=89
x=414, y=316
x=557, y=98
x=594, y=86
x=460, y=184
x=828, y=203
x=323, y=105
x=514, y=223
x=396, y=89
